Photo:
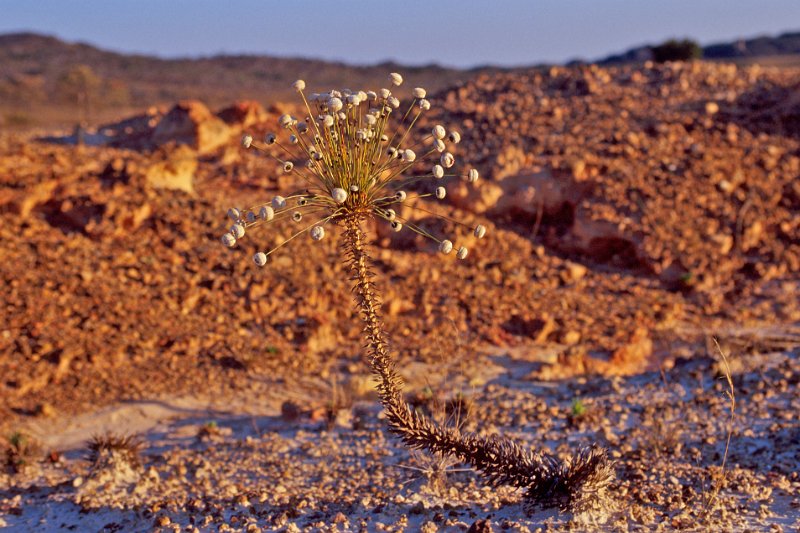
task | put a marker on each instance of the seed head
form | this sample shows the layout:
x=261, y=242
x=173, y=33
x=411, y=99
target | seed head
x=480, y=231
x=473, y=175
x=317, y=233
x=234, y=214
x=454, y=137
x=266, y=213
x=285, y=120
x=462, y=252
x=339, y=195
x=447, y=160
x=445, y=247
x=237, y=230
x=247, y=140
x=335, y=104
x=228, y=240
x=260, y=259
x=357, y=161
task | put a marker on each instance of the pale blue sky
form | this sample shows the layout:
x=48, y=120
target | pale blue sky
x=450, y=32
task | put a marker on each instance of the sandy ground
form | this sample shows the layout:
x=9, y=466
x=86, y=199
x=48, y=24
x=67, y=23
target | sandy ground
x=244, y=463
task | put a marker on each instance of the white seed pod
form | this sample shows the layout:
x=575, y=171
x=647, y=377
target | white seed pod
x=302, y=127
x=237, y=230
x=299, y=85
x=384, y=138
x=473, y=175
x=270, y=138
x=438, y=144
x=424, y=104
x=279, y=202
x=335, y=94
x=297, y=216
x=285, y=120
x=438, y=172
x=247, y=140
x=234, y=214
x=341, y=116
x=361, y=135
x=391, y=214
x=371, y=120
x=317, y=233
x=339, y=195
x=260, y=259
x=288, y=166
x=445, y=247
x=391, y=151
x=302, y=201
x=327, y=121
x=480, y=231
x=440, y=193
x=394, y=102
x=454, y=137
x=372, y=95
x=251, y=217
x=353, y=100
x=317, y=156
x=293, y=139
x=266, y=213
x=396, y=226
x=447, y=160
x=462, y=252
x=385, y=93
x=418, y=92
x=335, y=104
x=409, y=155
x=401, y=196
x=438, y=131
x=228, y=240
x=362, y=96
x=396, y=79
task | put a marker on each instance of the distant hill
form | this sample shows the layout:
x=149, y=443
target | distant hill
x=40, y=73
x=758, y=47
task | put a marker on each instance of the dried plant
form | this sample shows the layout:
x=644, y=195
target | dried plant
x=354, y=170
x=109, y=447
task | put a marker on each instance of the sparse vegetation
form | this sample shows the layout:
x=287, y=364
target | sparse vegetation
x=677, y=50
x=21, y=450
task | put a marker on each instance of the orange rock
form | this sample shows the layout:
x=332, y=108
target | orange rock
x=191, y=123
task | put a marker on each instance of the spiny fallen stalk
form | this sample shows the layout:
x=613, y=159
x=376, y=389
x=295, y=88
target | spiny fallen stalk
x=547, y=479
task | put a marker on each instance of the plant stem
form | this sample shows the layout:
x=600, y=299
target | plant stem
x=547, y=479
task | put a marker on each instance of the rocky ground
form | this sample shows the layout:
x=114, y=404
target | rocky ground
x=633, y=214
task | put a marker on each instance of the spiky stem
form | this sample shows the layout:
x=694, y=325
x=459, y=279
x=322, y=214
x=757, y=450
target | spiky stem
x=548, y=480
